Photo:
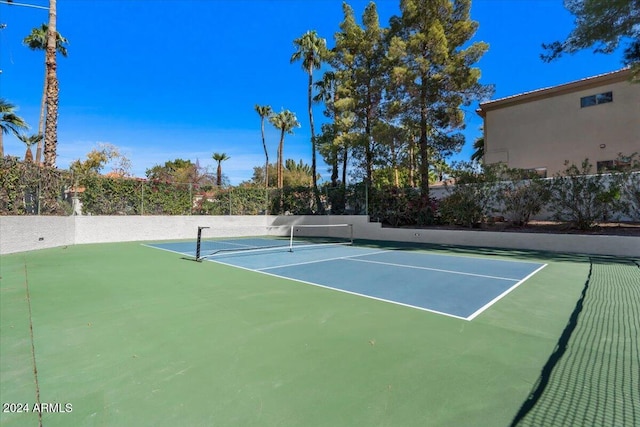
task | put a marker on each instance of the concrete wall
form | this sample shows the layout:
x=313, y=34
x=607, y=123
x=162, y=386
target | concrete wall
x=22, y=233
x=569, y=243
x=25, y=233
x=102, y=229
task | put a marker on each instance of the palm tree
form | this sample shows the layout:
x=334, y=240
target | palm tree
x=326, y=142
x=312, y=50
x=51, y=121
x=9, y=122
x=285, y=121
x=219, y=157
x=37, y=40
x=29, y=140
x=296, y=174
x=264, y=111
x=478, y=145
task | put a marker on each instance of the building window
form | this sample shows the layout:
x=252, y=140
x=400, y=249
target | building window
x=606, y=165
x=540, y=172
x=619, y=164
x=601, y=98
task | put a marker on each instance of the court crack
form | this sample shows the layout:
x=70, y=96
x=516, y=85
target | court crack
x=33, y=348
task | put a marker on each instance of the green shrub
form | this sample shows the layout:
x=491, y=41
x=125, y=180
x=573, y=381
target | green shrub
x=102, y=195
x=582, y=198
x=402, y=207
x=521, y=195
x=233, y=201
x=630, y=195
x=627, y=180
x=472, y=199
x=28, y=189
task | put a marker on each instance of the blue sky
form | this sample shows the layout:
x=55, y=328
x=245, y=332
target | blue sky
x=167, y=79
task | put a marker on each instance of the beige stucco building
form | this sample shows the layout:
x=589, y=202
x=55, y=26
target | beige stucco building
x=595, y=118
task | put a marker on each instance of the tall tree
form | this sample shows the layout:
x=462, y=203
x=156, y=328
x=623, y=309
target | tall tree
x=433, y=68
x=603, y=25
x=29, y=140
x=312, y=51
x=333, y=142
x=392, y=139
x=264, y=111
x=328, y=149
x=219, y=157
x=325, y=142
x=286, y=121
x=9, y=122
x=51, y=123
x=37, y=40
x=370, y=71
x=359, y=60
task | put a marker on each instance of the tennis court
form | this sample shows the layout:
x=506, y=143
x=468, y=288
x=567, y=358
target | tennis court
x=126, y=334
x=457, y=286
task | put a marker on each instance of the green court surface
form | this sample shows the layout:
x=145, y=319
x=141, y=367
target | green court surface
x=127, y=335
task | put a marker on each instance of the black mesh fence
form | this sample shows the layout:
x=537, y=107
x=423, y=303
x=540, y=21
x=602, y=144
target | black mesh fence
x=593, y=376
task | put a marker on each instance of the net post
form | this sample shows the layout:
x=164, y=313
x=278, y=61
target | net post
x=198, y=243
x=351, y=234
x=291, y=239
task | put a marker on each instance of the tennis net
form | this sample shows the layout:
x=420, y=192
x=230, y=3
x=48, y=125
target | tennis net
x=280, y=237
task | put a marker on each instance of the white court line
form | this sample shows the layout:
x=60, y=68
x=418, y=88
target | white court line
x=242, y=245
x=168, y=250
x=435, y=269
x=222, y=243
x=502, y=295
x=250, y=250
x=317, y=261
x=489, y=257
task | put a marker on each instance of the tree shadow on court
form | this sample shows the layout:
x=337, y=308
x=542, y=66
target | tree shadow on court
x=516, y=254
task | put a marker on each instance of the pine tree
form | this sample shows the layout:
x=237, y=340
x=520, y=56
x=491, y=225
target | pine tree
x=603, y=25
x=359, y=61
x=433, y=73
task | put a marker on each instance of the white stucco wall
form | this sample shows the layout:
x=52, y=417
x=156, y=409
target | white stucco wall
x=23, y=233
x=103, y=229
x=626, y=246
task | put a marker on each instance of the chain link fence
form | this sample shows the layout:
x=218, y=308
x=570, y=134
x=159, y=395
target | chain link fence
x=26, y=189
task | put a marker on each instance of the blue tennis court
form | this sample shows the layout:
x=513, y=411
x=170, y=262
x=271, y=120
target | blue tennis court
x=456, y=286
